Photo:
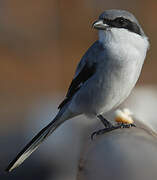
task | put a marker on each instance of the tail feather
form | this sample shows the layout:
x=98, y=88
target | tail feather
x=35, y=142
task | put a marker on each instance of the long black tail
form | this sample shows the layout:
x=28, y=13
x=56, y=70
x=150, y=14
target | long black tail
x=37, y=140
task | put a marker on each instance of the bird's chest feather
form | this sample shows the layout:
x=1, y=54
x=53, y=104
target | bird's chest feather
x=119, y=72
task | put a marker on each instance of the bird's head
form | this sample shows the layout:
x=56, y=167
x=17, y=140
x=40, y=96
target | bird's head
x=120, y=24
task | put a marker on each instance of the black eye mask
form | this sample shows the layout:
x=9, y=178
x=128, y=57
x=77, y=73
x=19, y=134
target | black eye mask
x=121, y=22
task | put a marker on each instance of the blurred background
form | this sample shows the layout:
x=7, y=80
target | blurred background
x=41, y=43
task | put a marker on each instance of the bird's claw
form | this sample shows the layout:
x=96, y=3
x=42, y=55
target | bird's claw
x=101, y=131
x=127, y=125
x=95, y=133
x=105, y=130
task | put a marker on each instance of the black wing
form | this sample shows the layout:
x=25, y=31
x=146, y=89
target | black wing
x=86, y=72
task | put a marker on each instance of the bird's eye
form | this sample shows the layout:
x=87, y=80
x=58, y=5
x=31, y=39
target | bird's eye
x=104, y=21
x=120, y=20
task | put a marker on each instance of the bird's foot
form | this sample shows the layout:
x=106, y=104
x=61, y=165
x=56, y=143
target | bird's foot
x=113, y=127
x=127, y=125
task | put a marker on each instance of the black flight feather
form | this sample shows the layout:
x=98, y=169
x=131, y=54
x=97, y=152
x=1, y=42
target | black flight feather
x=84, y=75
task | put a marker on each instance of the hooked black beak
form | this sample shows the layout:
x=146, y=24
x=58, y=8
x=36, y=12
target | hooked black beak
x=100, y=25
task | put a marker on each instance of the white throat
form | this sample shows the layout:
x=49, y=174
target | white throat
x=123, y=38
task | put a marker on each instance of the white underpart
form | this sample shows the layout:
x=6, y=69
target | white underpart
x=129, y=50
x=124, y=37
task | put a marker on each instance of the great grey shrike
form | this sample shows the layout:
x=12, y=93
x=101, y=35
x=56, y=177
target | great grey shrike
x=104, y=77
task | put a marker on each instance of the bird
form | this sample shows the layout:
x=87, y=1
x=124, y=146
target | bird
x=104, y=77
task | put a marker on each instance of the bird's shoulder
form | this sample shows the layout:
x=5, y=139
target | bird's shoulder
x=84, y=71
x=90, y=57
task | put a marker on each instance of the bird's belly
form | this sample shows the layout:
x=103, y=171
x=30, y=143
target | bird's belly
x=105, y=91
x=114, y=89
